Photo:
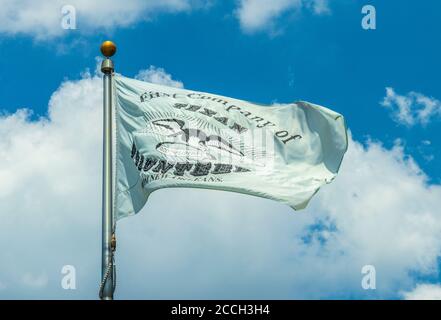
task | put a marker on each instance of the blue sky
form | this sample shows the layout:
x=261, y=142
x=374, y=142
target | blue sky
x=300, y=52
x=328, y=59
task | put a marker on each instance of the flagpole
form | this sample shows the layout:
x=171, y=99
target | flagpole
x=108, y=49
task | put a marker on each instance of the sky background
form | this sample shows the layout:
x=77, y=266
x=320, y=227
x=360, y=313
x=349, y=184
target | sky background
x=382, y=210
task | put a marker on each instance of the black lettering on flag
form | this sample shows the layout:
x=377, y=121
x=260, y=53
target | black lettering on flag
x=180, y=105
x=232, y=107
x=257, y=118
x=208, y=112
x=144, y=97
x=282, y=134
x=224, y=102
x=265, y=124
x=201, y=169
x=241, y=169
x=238, y=128
x=133, y=150
x=141, y=162
x=193, y=95
x=163, y=166
x=150, y=95
x=193, y=107
x=137, y=158
x=181, y=167
x=149, y=163
x=223, y=120
x=221, y=168
x=294, y=137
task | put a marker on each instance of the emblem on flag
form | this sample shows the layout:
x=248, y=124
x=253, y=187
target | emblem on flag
x=170, y=137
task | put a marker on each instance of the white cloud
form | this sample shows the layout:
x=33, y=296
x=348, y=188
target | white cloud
x=159, y=76
x=199, y=243
x=320, y=7
x=258, y=15
x=424, y=292
x=42, y=18
x=411, y=109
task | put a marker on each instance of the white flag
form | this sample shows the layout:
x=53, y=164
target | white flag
x=170, y=137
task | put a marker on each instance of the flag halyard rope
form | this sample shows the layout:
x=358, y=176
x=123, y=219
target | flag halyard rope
x=110, y=267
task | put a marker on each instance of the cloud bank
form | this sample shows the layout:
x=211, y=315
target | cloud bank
x=412, y=108
x=261, y=15
x=189, y=243
x=43, y=19
x=159, y=76
x=424, y=292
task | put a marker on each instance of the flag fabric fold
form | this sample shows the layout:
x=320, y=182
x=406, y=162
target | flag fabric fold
x=171, y=137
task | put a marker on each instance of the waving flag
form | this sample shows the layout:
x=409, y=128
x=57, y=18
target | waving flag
x=170, y=137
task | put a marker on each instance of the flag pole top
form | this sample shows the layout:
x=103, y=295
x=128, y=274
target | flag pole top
x=108, y=49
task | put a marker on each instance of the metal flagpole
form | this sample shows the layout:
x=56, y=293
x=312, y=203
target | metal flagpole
x=107, y=287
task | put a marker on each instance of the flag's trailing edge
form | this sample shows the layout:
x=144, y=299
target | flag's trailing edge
x=171, y=137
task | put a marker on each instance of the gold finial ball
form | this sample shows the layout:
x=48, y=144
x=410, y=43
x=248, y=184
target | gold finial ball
x=108, y=48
